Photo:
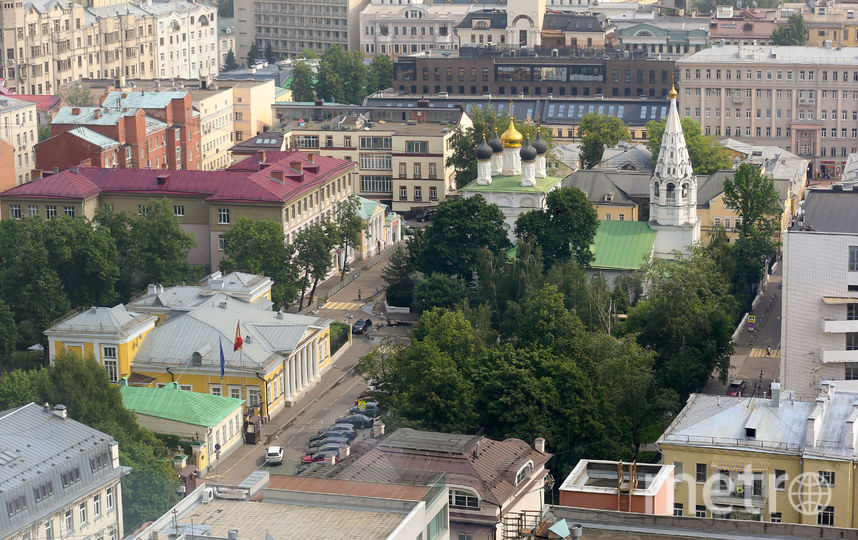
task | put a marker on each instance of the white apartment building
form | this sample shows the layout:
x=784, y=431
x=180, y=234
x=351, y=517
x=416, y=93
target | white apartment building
x=19, y=130
x=292, y=26
x=819, y=332
x=60, y=478
x=803, y=99
x=410, y=26
x=187, y=39
x=48, y=43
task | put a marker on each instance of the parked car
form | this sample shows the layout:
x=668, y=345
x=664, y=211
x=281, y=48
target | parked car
x=357, y=420
x=332, y=447
x=427, y=214
x=371, y=408
x=736, y=387
x=361, y=326
x=326, y=434
x=341, y=427
x=319, y=456
x=328, y=440
x=274, y=456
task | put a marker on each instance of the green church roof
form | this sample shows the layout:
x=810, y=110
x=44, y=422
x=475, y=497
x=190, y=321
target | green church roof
x=622, y=245
x=512, y=184
x=171, y=403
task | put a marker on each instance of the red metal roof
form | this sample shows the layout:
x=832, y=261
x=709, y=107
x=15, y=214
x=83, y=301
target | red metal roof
x=245, y=182
x=44, y=102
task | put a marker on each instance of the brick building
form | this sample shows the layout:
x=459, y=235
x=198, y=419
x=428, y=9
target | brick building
x=159, y=130
x=486, y=71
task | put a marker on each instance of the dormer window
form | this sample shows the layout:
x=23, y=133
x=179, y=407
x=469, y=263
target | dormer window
x=751, y=433
x=464, y=499
x=524, y=473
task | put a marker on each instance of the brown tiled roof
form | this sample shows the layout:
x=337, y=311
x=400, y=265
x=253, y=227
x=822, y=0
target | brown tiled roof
x=492, y=473
x=347, y=487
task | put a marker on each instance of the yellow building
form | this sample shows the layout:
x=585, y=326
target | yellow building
x=282, y=354
x=775, y=459
x=110, y=335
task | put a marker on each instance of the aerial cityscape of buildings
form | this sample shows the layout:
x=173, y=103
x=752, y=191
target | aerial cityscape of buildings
x=509, y=269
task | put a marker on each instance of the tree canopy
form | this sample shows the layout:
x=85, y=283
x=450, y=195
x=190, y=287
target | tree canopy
x=380, y=75
x=253, y=55
x=706, y=153
x=78, y=96
x=313, y=259
x=302, y=83
x=230, y=63
x=598, y=131
x=565, y=229
x=795, y=32
x=347, y=228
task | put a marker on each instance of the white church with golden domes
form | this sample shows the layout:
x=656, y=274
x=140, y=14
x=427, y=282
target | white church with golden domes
x=511, y=173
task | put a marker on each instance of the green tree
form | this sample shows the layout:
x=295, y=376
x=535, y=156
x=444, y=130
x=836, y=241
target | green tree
x=8, y=332
x=342, y=77
x=565, y=229
x=347, y=229
x=355, y=75
x=380, y=75
x=308, y=54
x=302, y=83
x=753, y=196
x=229, y=62
x=19, y=387
x=259, y=247
x=253, y=55
x=226, y=8
x=795, y=32
x=270, y=57
x=438, y=290
x=598, y=131
x=44, y=133
x=688, y=320
x=313, y=257
x=706, y=153
x=459, y=230
x=398, y=276
x=78, y=96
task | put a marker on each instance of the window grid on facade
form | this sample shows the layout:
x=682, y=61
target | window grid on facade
x=223, y=216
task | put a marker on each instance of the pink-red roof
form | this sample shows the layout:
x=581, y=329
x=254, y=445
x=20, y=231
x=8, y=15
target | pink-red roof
x=247, y=181
x=44, y=102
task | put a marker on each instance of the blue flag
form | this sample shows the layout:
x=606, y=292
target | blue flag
x=222, y=361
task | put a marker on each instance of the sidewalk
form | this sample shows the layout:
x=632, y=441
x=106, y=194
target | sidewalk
x=246, y=458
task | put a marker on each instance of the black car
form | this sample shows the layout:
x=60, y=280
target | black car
x=329, y=434
x=427, y=214
x=371, y=408
x=329, y=440
x=357, y=420
x=361, y=326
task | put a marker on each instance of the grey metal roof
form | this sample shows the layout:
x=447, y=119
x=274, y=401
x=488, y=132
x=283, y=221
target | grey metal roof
x=182, y=298
x=597, y=184
x=430, y=441
x=744, y=54
x=94, y=137
x=37, y=446
x=496, y=18
x=574, y=22
x=830, y=210
x=627, y=156
x=101, y=320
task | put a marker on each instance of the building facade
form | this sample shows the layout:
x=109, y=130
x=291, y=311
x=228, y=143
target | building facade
x=463, y=74
x=20, y=133
x=64, y=485
x=400, y=164
x=292, y=188
x=517, y=26
x=293, y=26
x=802, y=99
x=395, y=29
x=820, y=294
x=48, y=44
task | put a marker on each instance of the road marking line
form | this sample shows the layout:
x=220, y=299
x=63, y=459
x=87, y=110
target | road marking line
x=759, y=352
x=343, y=306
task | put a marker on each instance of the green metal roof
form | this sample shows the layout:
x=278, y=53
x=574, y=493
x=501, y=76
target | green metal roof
x=368, y=207
x=184, y=406
x=622, y=245
x=512, y=184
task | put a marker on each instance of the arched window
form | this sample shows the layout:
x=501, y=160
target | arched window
x=524, y=473
x=684, y=191
x=655, y=187
x=671, y=194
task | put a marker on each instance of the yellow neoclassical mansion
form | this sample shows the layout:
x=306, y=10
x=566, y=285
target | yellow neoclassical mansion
x=176, y=334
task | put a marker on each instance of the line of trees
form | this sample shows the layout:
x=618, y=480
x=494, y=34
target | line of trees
x=342, y=77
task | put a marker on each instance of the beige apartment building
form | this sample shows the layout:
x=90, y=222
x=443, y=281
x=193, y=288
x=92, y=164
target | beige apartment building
x=292, y=26
x=230, y=111
x=802, y=99
x=402, y=164
x=19, y=131
x=828, y=24
x=49, y=43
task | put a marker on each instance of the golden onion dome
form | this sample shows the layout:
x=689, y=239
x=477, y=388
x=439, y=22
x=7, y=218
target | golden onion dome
x=673, y=93
x=511, y=138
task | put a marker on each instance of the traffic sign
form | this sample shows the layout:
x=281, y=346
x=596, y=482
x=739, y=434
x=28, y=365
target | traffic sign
x=752, y=320
x=361, y=405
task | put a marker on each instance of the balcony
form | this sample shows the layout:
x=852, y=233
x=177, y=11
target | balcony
x=732, y=498
x=839, y=357
x=807, y=101
x=839, y=326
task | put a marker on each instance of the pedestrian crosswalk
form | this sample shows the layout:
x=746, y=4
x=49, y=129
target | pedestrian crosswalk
x=344, y=306
x=760, y=352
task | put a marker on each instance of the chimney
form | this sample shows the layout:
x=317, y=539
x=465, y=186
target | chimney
x=297, y=165
x=222, y=305
x=312, y=158
x=279, y=315
x=851, y=441
x=279, y=176
x=260, y=157
x=75, y=111
x=152, y=289
x=477, y=450
x=73, y=169
x=776, y=395
x=831, y=389
x=97, y=113
x=60, y=411
x=539, y=445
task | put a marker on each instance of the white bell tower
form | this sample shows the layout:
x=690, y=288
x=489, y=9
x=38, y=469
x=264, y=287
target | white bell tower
x=673, y=191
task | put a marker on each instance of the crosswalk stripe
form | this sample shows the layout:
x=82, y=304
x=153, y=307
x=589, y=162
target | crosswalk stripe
x=343, y=306
x=759, y=352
